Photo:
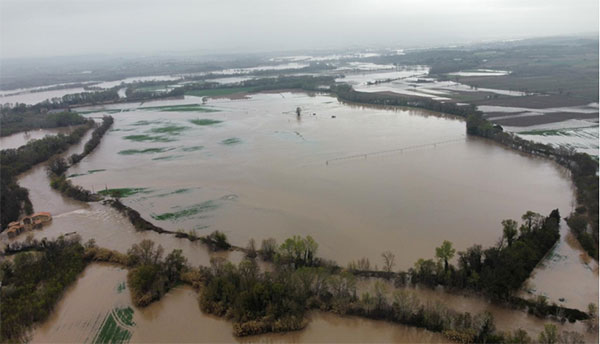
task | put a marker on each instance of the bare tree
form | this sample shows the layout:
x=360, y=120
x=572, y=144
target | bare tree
x=388, y=261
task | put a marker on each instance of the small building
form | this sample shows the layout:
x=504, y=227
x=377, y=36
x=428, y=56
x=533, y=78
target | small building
x=35, y=221
x=15, y=230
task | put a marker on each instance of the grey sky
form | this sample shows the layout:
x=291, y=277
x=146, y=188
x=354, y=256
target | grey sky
x=70, y=27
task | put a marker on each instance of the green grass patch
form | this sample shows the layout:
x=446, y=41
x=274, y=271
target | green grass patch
x=122, y=192
x=143, y=138
x=181, y=108
x=144, y=122
x=176, y=192
x=231, y=141
x=76, y=175
x=187, y=212
x=111, y=332
x=192, y=148
x=204, y=121
x=143, y=151
x=87, y=112
x=98, y=170
x=170, y=130
x=83, y=174
x=551, y=132
x=168, y=157
x=125, y=315
x=215, y=92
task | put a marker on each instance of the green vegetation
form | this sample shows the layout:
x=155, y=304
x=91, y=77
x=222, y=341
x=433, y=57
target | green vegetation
x=33, y=283
x=170, y=130
x=13, y=198
x=578, y=224
x=94, y=141
x=167, y=157
x=582, y=166
x=143, y=138
x=14, y=120
x=497, y=271
x=204, y=121
x=58, y=166
x=192, y=148
x=144, y=122
x=187, y=212
x=88, y=172
x=152, y=276
x=144, y=151
x=122, y=192
x=257, y=302
x=111, y=331
x=231, y=141
x=218, y=92
x=180, y=108
x=178, y=191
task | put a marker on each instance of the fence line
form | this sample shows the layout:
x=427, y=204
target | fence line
x=396, y=150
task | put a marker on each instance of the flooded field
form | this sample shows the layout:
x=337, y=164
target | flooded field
x=79, y=317
x=360, y=180
x=31, y=98
x=250, y=168
x=19, y=139
x=505, y=318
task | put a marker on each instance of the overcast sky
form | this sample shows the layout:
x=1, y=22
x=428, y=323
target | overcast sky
x=31, y=28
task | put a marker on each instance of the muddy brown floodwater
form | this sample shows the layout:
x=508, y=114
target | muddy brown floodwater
x=80, y=317
x=252, y=169
x=19, y=139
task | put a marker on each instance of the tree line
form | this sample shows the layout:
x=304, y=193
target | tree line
x=14, y=120
x=15, y=199
x=58, y=166
x=582, y=166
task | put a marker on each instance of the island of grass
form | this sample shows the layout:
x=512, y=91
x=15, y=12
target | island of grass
x=231, y=141
x=190, y=211
x=122, y=192
x=168, y=157
x=218, y=92
x=192, y=148
x=141, y=138
x=180, y=108
x=170, y=129
x=204, y=121
x=143, y=151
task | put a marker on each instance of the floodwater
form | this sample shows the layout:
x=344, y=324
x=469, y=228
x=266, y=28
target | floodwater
x=369, y=180
x=19, y=139
x=505, y=318
x=177, y=318
x=271, y=179
x=31, y=98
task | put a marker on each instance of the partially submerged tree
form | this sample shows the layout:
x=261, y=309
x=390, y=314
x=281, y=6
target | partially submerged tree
x=388, y=261
x=445, y=253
